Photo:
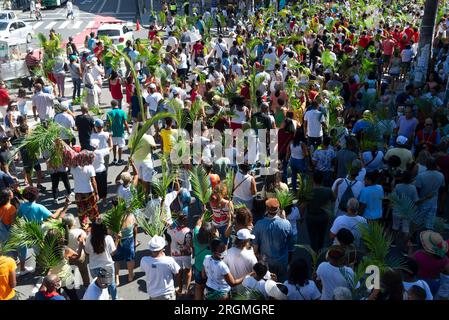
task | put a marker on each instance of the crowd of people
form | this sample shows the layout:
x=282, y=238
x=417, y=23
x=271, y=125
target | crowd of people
x=362, y=150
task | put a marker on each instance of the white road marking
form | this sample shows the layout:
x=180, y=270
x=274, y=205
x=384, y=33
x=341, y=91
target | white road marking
x=102, y=6
x=64, y=24
x=118, y=6
x=77, y=24
x=90, y=25
x=50, y=25
x=37, y=24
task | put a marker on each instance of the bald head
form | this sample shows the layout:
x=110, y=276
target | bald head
x=51, y=282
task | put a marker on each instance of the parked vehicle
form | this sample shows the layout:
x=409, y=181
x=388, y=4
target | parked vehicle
x=16, y=29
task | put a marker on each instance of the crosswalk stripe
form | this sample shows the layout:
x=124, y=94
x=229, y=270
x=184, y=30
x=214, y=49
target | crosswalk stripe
x=37, y=25
x=50, y=25
x=64, y=24
x=77, y=25
x=90, y=24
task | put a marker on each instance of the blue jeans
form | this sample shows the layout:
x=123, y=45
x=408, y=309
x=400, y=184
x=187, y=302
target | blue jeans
x=297, y=166
x=112, y=289
x=76, y=88
x=427, y=213
x=221, y=231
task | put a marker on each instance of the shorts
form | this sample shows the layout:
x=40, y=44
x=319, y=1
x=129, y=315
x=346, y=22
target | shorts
x=29, y=168
x=198, y=278
x=400, y=222
x=125, y=250
x=145, y=171
x=386, y=59
x=118, y=141
x=185, y=262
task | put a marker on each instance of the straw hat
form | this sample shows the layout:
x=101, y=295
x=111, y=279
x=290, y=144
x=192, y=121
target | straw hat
x=433, y=243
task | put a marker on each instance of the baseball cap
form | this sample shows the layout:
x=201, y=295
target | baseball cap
x=245, y=234
x=152, y=86
x=105, y=275
x=401, y=140
x=99, y=123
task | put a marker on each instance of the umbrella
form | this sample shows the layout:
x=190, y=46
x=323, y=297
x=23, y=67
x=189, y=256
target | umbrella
x=190, y=37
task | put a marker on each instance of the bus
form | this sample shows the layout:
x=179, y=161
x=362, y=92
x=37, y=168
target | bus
x=53, y=3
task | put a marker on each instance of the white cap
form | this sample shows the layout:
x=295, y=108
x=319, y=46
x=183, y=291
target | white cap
x=156, y=243
x=152, y=86
x=272, y=289
x=401, y=140
x=245, y=234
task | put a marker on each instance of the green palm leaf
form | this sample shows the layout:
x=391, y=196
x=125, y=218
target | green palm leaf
x=376, y=240
x=285, y=198
x=315, y=256
x=248, y=294
x=113, y=219
x=403, y=206
x=305, y=189
x=50, y=253
x=200, y=184
x=24, y=233
x=229, y=181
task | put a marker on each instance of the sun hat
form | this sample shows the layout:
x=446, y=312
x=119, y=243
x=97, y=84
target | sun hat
x=433, y=243
x=401, y=140
x=99, y=123
x=276, y=290
x=157, y=243
x=245, y=234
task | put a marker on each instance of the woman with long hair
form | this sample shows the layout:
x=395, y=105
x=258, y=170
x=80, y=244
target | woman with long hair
x=222, y=210
x=101, y=247
x=299, y=284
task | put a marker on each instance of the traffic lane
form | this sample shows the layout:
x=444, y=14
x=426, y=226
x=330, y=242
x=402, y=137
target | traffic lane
x=127, y=6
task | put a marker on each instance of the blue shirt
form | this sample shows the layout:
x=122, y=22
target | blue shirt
x=275, y=238
x=372, y=197
x=41, y=296
x=34, y=212
x=5, y=180
x=360, y=126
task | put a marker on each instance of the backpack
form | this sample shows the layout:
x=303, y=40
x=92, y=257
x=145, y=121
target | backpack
x=348, y=194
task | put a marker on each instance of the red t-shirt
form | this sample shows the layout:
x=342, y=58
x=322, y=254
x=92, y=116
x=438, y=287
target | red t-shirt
x=429, y=267
x=198, y=48
x=313, y=94
x=364, y=41
x=245, y=92
x=4, y=97
x=388, y=46
x=152, y=34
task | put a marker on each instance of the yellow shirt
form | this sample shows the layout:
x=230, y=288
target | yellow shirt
x=7, y=265
x=143, y=150
x=168, y=138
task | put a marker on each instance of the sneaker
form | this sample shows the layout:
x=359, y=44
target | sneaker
x=113, y=163
x=55, y=201
x=41, y=188
x=120, y=162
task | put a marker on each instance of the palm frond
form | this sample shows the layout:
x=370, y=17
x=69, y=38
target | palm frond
x=248, y=294
x=285, y=198
x=376, y=240
x=24, y=233
x=305, y=189
x=229, y=181
x=315, y=256
x=50, y=254
x=113, y=219
x=200, y=184
x=403, y=206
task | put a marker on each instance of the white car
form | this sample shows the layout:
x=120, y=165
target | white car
x=119, y=33
x=16, y=29
x=8, y=15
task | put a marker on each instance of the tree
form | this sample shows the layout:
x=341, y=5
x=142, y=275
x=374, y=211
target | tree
x=425, y=41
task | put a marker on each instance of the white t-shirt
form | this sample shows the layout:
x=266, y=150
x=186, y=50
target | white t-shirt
x=350, y=223
x=356, y=189
x=99, y=159
x=81, y=177
x=125, y=193
x=182, y=61
x=159, y=274
x=251, y=283
x=172, y=42
x=220, y=48
x=180, y=240
x=66, y=121
x=272, y=60
x=104, y=259
x=153, y=100
x=420, y=283
x=332, y=277
x=314, y=127
x=215, y=272
x=73, y=237
x=240, y=262
x=293, y=217
x=102, y=137
x=94, y=292
x=307, y=292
